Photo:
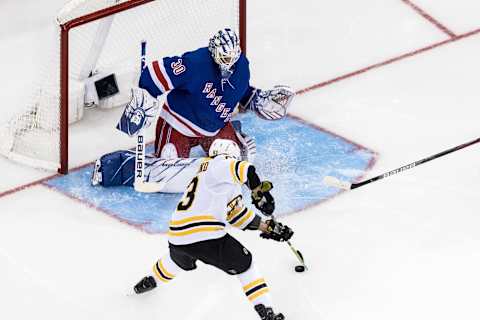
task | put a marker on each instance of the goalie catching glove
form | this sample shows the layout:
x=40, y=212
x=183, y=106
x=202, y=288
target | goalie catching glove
x=272, y=104
x=138, y=113
x=277, y=231
x=263, y=199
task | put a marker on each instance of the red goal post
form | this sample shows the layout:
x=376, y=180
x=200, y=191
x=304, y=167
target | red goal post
x=97, y=37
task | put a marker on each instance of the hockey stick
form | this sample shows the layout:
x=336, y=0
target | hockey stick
x=335, y=182
x=139, y=184
x=296, y=252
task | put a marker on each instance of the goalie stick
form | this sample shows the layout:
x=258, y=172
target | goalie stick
x=335, y=182
x=139, y=184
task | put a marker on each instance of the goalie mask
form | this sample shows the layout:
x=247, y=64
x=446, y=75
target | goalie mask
x=224, y=47
x=225, y=147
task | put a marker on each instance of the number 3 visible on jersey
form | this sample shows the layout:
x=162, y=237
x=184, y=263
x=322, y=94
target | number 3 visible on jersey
x=189, y=196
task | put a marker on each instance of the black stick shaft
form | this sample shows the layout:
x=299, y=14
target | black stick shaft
x=414, y=164
x=295, y=251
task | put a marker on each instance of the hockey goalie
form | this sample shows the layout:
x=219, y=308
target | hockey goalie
x=202, y=90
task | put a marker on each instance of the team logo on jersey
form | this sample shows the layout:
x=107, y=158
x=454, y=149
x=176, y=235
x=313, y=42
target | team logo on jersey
x=208, y=87
x=211, y=93
x=225, y=113
x=235, y=206
x=216, y=101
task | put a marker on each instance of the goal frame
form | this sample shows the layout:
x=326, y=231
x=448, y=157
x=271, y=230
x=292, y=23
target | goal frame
x=64, y=61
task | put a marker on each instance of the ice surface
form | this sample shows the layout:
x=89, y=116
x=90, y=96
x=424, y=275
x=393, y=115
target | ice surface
x=406, y=247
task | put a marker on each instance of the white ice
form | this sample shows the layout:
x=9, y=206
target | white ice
x=407, y=247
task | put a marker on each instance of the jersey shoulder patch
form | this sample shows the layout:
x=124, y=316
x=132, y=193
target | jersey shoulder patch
x=238, y=171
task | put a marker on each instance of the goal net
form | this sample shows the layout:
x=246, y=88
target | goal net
x=90, y=65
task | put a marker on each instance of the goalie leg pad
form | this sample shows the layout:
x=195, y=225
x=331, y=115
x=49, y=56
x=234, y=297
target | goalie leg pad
x=169, y=151
x=117, y=168
x=97, y=176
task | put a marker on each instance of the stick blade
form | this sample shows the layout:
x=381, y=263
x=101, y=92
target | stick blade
x=148, y=187
x=337, y=183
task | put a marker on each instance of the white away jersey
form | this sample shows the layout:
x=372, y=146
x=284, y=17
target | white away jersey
x=212, y=200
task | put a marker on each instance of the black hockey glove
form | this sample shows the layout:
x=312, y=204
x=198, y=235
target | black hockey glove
x=277, y=231
x=263, y=199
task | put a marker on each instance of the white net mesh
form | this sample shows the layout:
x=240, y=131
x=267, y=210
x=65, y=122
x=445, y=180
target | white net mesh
x=110, y=44
x=32, y=136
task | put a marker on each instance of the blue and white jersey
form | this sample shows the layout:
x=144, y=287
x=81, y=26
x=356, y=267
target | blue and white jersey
x=199, y=100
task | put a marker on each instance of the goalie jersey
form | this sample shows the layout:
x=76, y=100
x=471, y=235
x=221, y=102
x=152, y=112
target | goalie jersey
x=212, y=200
x=199, y=100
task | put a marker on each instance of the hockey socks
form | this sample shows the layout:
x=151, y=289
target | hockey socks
x=165, y=269
x=255, y=287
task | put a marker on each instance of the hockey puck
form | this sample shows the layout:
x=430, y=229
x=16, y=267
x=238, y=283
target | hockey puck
x=299, y=268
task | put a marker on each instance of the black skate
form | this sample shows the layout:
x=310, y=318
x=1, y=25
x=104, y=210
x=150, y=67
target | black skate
x=266, y=313
x=144, y=285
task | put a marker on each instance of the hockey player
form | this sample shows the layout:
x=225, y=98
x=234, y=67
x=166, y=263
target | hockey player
x=203, y=89
x=212, y=200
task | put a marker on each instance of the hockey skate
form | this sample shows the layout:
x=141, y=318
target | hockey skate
x=144, y=285
x=96, y=174
x=266, y=313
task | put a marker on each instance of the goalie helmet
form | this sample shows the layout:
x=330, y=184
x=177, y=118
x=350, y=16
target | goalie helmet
x=224, y=47
x=226, y=147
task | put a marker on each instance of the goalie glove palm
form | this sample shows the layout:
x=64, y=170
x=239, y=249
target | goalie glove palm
x=263, y=199
x=273, y=104
x=277, y=231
